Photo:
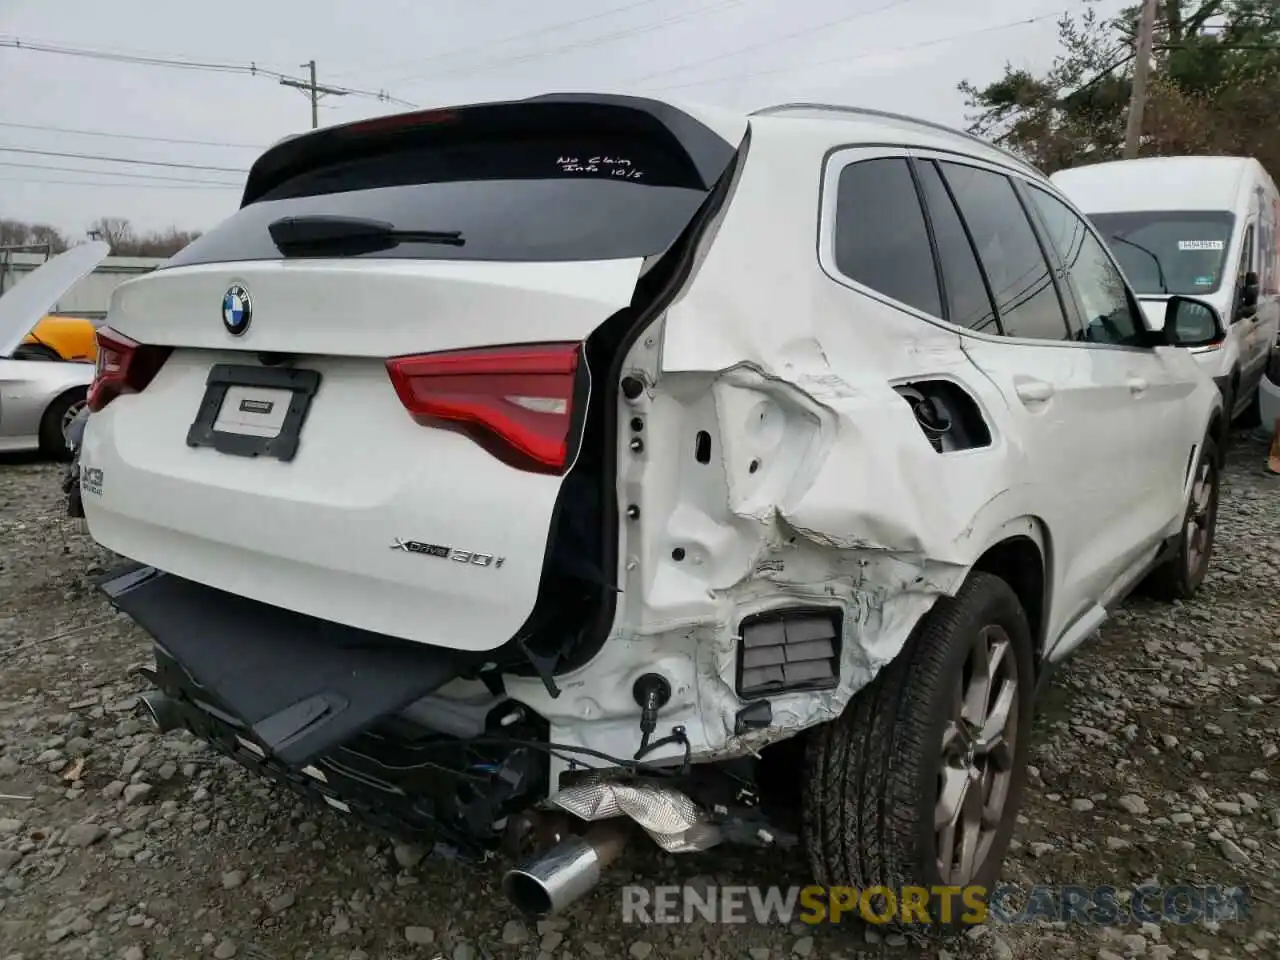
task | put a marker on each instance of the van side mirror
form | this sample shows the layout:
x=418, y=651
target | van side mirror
x=1191, y=323
x=1249, y=291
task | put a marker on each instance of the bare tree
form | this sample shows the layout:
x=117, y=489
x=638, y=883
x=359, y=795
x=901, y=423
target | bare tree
x=21, y=233
x=163, y=243
x=116, y=231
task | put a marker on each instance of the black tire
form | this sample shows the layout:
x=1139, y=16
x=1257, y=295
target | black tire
x=872, y=775
x=53, y=441
x=1251, y=416
x=1228, y=406
x=1180, y=576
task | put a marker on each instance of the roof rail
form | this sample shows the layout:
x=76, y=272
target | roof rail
x=783, y=108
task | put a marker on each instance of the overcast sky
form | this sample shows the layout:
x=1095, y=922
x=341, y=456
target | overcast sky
x=903, y=55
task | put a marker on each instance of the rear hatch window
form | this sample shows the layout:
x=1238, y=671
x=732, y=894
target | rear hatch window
x=543, y=180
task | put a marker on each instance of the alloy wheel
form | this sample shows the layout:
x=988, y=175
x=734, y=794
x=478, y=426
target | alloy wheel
x=1201, y=517
x=68, y=418
x=978, y=748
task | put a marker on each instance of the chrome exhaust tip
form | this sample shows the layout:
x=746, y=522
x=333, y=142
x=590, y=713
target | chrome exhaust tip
x=552, y=880
x=163, y=710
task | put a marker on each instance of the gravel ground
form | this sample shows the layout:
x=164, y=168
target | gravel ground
x=1156, y=758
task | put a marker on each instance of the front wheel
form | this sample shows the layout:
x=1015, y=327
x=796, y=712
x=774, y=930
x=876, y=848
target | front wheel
x=57, y=421
x=918, y=782
x=1180, y=576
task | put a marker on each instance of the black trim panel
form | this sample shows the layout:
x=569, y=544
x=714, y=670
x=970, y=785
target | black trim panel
x=302, y=685
x=303, y=384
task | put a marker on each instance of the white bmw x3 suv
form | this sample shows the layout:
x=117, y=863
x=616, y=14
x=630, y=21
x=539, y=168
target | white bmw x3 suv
x=739, y=477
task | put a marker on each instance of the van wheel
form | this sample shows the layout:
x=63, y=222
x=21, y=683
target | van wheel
x=1251, y=416
x=58, y=417
x=1180, y=576
x=918, y=782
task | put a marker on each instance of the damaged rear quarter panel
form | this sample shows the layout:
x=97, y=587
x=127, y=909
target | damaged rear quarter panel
x=820, y=487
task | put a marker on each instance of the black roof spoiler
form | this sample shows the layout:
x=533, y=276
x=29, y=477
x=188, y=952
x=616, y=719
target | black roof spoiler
x=569, y=113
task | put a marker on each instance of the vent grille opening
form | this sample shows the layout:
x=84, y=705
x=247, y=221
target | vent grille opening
x=788, y=650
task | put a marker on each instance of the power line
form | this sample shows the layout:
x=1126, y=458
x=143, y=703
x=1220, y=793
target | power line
x=115, y=173
x=576, y=45
x=103, y=183
x=180, y=63
x=774, y=41
x=857, y=53
x=130, y=136
x=148, y=163
x=123, y=51
x=489, y=44
x=314, y=91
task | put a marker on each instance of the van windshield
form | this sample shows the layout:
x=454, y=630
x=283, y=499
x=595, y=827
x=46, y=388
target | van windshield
x=1169, y=251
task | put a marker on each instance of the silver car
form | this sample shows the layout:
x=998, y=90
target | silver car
x=40, y=398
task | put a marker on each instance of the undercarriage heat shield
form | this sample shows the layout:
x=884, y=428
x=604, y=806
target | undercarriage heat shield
x=673, y=820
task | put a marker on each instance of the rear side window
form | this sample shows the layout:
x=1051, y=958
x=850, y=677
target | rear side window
x=1021, y=281
x=511, y=188
x=881, y=240
x=968, y=303
x=1109, y=317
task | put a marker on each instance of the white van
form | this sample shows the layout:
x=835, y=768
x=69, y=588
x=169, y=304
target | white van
x=1199, y=226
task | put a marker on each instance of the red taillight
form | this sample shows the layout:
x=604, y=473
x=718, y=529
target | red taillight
x=523, y=397
x=123, y=366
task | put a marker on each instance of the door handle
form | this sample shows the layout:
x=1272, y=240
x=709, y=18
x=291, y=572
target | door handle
x=1138, y=386
x=1033, y=391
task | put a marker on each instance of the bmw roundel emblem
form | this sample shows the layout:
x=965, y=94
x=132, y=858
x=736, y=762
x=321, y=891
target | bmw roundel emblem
x=237, y=309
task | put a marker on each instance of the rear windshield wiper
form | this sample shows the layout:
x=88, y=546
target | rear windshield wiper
x=326, y=234
x=1164, y=287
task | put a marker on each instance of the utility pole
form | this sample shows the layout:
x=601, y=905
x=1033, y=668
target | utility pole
x=1141, y=69
x=313, y=90
x=315, y=96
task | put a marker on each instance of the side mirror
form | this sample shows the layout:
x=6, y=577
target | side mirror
x=1191, y=323
x=1249, y=294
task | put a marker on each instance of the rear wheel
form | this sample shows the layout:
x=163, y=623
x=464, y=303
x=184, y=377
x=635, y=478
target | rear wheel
x=57, y=420
x=1180, y=576
x=919, y=780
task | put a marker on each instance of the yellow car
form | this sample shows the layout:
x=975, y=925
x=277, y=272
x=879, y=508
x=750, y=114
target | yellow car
x=60, y=337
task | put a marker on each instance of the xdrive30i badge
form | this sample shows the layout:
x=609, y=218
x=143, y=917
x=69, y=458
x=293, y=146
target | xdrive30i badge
x=448, y=553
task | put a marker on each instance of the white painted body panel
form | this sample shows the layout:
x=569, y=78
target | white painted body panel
x=28, y=387
x=849, y=504
x=315, y=534
x=821, y=488
x=31, y=298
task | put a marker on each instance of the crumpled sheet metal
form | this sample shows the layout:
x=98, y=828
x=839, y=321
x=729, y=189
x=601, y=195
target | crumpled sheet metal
x=674, y=821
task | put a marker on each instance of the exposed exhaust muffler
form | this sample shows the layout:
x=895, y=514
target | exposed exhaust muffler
x=550, y=881
x=163, y=710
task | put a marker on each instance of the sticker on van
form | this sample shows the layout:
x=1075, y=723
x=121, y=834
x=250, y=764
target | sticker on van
x=1203, y=281
x=1200, y=245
